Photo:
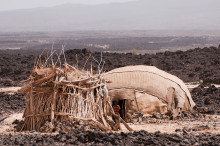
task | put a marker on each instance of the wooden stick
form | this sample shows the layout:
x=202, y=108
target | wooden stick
x=32, y=108
x=126, y=125
x=86, y=61
x=53, y=104
x=136, y=101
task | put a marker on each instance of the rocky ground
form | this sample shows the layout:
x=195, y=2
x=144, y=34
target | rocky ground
x=199, y=128
x=207, y=99
x=10, y=104
x=78, y=137
x=191, y=66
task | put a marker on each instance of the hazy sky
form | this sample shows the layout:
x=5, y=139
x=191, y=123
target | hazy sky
x=22, y=4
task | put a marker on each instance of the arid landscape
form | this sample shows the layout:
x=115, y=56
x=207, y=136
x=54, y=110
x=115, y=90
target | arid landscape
x=199, y=68
x=110, y=72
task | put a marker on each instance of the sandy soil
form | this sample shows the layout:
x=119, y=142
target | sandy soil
x=10, y=90
x=192, y=85
x=208, y=124
x=6, y=126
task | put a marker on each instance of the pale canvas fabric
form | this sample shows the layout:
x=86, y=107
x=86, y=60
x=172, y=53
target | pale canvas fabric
x=152, y=89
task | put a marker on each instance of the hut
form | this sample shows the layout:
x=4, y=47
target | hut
x=148, y=90
x=56, y=94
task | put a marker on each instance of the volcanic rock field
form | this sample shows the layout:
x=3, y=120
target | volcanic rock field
x=200, y=65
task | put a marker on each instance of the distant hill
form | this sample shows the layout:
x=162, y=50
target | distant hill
x=137, y=15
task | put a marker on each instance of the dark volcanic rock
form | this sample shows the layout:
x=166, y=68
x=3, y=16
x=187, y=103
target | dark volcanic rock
x=6, y=82
x=79, y=137
x=192, y=65
x=14, y=68
x=11, y=103
x=207, y=99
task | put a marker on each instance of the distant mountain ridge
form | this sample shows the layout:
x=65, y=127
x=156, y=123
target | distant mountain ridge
x=137, y=15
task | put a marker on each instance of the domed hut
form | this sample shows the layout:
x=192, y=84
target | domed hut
x=148, y=90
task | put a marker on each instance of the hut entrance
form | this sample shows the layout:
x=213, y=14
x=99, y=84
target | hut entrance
x=121, y=103
x=122, y=110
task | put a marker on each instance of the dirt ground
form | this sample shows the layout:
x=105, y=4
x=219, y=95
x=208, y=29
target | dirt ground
x=200, y=128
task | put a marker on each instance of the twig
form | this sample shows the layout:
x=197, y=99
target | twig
x=50, y=57
x=86, y=61
x=58, y=59
x=77, y=62
x=99, y=63
x=52, y=53
x=63, y=46
x=103, y=65
x=112, y=112
x=39, y=58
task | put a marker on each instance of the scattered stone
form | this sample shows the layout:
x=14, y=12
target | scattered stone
x=79, y=137
x=156, y=115
x=11, y=103
x=187, y=129
x=206, y=99
x=178, y=130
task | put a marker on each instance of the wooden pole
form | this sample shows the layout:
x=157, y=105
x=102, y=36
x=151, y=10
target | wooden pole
x=126, y=125
x=136, y=101
x=53, y=104
x=32, y=109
